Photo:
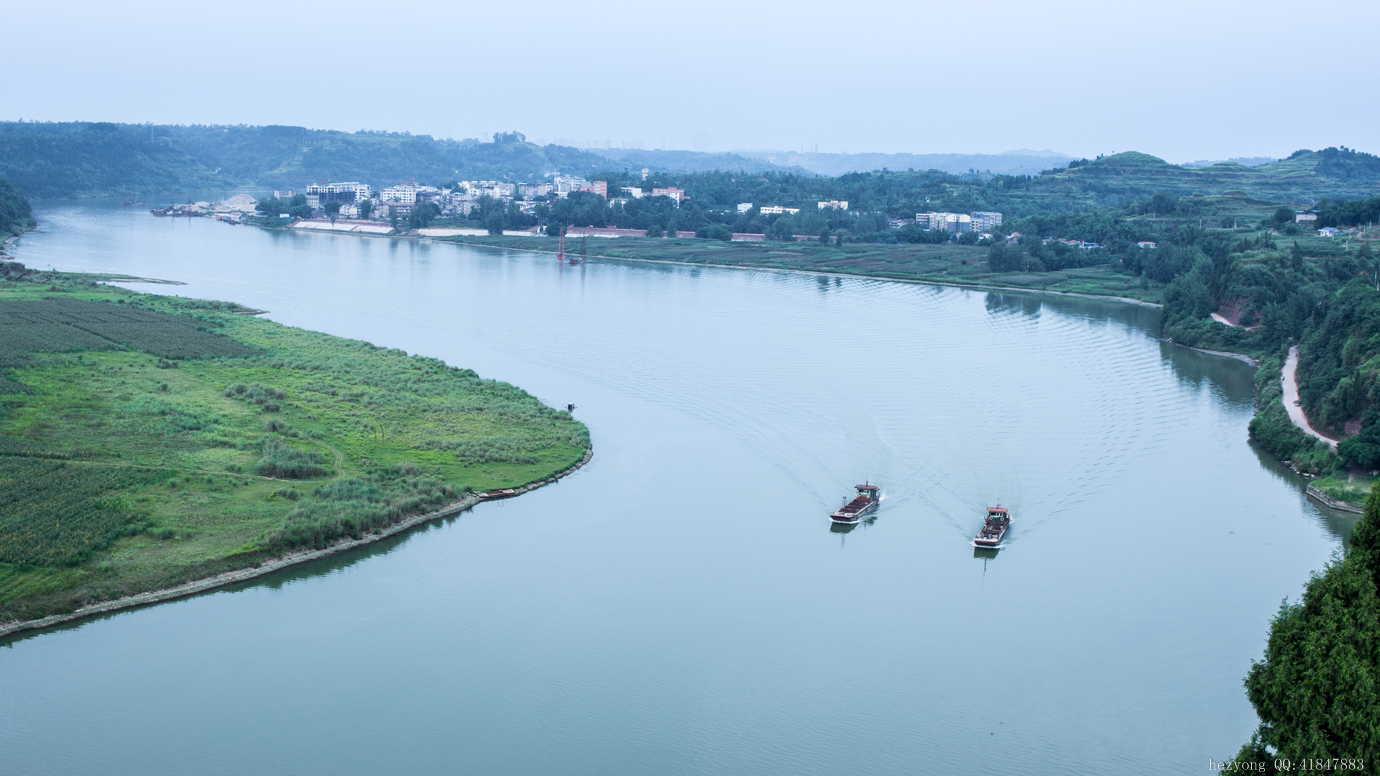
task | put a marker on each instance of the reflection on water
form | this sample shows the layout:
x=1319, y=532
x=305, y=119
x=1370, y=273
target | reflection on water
x=673, y=607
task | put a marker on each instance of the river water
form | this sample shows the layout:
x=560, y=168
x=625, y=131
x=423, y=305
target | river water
x=681, y=605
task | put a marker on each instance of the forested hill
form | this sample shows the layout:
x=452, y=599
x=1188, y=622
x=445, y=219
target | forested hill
x=85, y=160
x=14, y=210
x=1304, y=176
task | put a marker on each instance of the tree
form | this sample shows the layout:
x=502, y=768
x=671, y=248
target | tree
x=824, y=236
x=332, y=210
x=1317, y=690
x=715, y=232
x=1296, y=257
x=366, y=208
x=655, y=230
x=393, y=217
x=494, y=222
x=1283, y=215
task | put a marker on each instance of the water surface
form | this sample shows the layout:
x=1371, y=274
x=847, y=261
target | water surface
x=681, y=605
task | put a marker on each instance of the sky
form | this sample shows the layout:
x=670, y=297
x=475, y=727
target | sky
x=1184, y=81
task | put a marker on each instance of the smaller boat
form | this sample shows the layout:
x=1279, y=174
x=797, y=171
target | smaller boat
x=862, y=504
x=994, y=528
x=499, y=493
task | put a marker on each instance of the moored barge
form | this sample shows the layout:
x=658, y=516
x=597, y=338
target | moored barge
x=862, y=504
x=994, y=528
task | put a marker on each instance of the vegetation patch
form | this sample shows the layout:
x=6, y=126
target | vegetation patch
x=54, y=513
x=152, y=435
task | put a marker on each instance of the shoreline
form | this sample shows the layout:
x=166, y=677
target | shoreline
x=205, y=584
x=1226, y=353
x=826, y=273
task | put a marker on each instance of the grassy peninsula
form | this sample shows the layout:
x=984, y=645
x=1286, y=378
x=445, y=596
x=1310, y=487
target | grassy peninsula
x=939, y=263
x=147, y=441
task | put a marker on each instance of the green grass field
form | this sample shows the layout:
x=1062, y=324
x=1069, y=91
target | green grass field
x=169, y=439
x=943, y=263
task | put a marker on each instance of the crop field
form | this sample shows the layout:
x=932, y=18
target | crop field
x=57, y=512
x=942, y=263
x=66, y=325
x=145, y=441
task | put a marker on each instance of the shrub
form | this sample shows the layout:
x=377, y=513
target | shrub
x=282, y=461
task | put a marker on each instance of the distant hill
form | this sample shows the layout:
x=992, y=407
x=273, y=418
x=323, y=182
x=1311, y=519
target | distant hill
x=693, y=161
x=1244, y=161
x=1023, y=162
x=82, y=159
x=1304, y=177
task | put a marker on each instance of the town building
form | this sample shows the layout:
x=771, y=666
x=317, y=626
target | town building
x=1329, y=231
x=1146, y=244
x=597, y=187
x=564, y=185
x=948, y=222
x=834, y=204
x=744, y=207
x=344, y=191
x=533, y=190
x=670, y=191
x=776, y=210
x=985, y=221
x=405, y=194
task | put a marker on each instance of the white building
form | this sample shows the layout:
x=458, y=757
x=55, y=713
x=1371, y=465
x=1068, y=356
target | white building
x=564, y=185
x=533, y=190
x=405, y=194
x=776, y=210
x=949, y=222
x=744, y=207
x=834, y=204
x=345, y=191
x=670, y=191
x=985, y=221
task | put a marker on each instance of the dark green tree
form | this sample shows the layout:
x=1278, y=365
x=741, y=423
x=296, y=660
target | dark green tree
x=1317, y=690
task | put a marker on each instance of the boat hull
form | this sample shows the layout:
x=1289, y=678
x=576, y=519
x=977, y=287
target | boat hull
x=989, y=539
x=851, y=518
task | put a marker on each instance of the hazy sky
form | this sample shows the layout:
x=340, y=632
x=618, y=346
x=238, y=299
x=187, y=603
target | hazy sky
x=1181, y=80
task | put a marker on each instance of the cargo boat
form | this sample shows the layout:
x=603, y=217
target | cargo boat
x=862, y=504
x=994, y=528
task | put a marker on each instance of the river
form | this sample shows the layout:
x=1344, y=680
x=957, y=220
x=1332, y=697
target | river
x=682, y=605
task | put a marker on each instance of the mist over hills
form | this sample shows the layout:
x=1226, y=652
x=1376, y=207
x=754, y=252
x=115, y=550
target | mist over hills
x=1020, y=162
x=83, y=159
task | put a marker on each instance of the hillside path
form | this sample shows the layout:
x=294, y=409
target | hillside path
x=1291, y=398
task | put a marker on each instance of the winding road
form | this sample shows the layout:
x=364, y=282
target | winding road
x=1291, y=398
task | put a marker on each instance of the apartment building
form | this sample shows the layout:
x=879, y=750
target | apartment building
x=343, y=192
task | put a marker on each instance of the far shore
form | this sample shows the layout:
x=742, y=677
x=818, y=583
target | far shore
x=421, y=235
x=269, y=566
x=923, y=282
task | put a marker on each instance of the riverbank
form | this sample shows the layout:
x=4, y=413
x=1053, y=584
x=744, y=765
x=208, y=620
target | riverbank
x=199, y=443
x=942, y=264
x=294, y=559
